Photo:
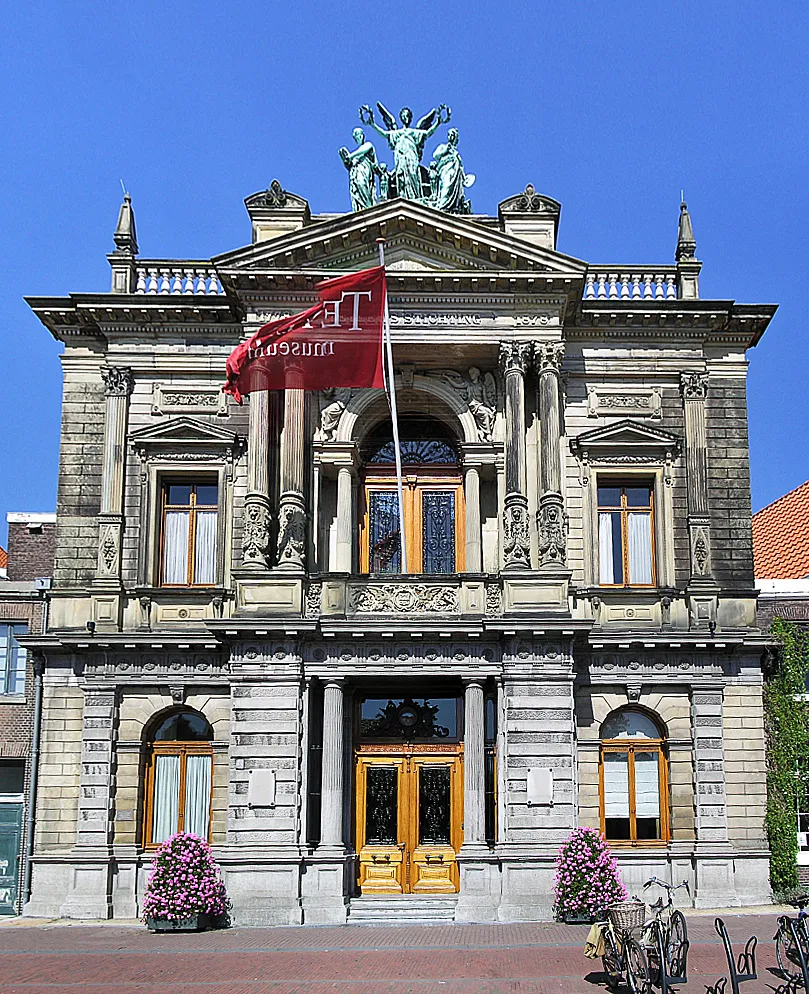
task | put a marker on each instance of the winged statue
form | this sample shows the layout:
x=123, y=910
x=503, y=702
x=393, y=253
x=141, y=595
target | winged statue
x=479, y=390
x=407, y=144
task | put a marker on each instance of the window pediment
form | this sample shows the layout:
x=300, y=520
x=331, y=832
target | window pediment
x=628, y=441
x=185, y=437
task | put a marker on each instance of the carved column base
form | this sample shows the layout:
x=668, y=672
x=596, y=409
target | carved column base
x=292, y=531
x=552, y=526
x=516, y=542
x=256, y=536
x=108, y=570
x=699, y=534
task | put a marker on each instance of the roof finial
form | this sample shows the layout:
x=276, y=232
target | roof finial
x=126, y=241
x=686, y=245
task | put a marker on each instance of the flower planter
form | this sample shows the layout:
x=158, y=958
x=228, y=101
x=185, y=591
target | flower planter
x=193, y=923
x=579, y=919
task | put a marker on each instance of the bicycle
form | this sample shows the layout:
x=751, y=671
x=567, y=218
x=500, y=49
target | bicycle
x=623, y=958
x=666, y=940
x=786, y=950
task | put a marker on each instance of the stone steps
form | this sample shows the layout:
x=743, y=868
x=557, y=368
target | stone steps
x=403, y=909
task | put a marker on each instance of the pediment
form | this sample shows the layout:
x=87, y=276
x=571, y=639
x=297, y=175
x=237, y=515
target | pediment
x=184, y=433
x=418, y=239
x=627, y=437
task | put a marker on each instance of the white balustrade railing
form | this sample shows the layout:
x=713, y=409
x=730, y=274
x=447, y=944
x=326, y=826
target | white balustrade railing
x=651, y=284
x=169, y=279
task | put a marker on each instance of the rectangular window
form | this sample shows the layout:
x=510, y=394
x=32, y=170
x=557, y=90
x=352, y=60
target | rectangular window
x=633, y=792
x=625, y=536
x=189, y=535
x=12, y=776
x=12, y=659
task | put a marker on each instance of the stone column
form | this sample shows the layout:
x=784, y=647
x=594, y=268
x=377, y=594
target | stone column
x=292, y=504
x=551, y=519
x=474, y=546
x=345, y=516
x=331, y=791
x=90, y=894
x=257, y=517
x=694, y=387
x=474, y=798
x=516, y=544
x=118, y=383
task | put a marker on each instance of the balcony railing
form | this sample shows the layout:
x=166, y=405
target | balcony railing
x=659, y=283
x=160, y=278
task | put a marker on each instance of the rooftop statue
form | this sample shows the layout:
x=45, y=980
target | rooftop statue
x=450, y=178
x=362, y=168
x=407, y=144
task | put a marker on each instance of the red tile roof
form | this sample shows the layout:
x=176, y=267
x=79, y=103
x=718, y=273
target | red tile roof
x=3, y=558
x=781, y=537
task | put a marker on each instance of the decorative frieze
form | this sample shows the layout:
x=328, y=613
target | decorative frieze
x=404, y=598
x=641, y=403
x=188, y=400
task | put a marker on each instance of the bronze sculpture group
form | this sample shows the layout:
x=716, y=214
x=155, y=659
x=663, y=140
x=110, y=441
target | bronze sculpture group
x=441, y=185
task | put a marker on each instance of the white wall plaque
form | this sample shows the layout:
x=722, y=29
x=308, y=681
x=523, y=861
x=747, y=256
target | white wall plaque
x=540, y=786
x=261, y=789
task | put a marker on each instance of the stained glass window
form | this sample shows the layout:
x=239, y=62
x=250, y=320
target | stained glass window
x=385, y=550
x=438, y=531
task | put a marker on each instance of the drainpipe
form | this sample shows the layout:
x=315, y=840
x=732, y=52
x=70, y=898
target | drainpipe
x=39, y=667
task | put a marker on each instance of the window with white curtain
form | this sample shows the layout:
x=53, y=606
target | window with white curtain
x=634, y=782
x=625, y=535
x=189, y=533
x=178, y=778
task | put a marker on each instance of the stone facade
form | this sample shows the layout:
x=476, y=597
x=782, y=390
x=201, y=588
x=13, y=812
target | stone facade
x=552, y=379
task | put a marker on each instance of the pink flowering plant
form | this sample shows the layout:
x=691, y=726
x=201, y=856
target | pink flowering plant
x=588, y=880
x=185, y=881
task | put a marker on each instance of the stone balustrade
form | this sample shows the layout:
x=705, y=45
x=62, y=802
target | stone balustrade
x=652, y=284
x=157, y=278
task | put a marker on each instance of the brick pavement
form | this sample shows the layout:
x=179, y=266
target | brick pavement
x=441, y=959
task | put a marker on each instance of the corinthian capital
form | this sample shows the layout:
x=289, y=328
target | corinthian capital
x=118, y=380
x=694, y=386
x=548, y=356
x=514, y=356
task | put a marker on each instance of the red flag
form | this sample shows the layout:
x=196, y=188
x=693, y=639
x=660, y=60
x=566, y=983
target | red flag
x=336, y=343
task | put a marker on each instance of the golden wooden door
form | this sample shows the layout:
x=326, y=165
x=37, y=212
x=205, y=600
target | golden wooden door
x=409, y=819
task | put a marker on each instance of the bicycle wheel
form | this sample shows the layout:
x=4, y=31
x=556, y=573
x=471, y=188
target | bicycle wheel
x=787, y=955
x=637, y=969
x=611, y=960
x=677, y=951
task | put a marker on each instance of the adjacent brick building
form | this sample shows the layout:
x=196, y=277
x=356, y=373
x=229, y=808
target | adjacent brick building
x=23, y=592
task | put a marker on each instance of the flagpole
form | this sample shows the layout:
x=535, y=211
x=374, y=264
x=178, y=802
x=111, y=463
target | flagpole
x=393, y=415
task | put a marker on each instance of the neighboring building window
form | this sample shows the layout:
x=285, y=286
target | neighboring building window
x=433, y=501
x=12, y=659
x=625, y=535
x=189, y=533
x=634, y=779
x=178, y=778
x=12, y=778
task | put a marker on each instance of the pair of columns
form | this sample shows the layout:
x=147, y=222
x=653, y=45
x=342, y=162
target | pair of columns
x=332, y=776
x=547, y=360
x=256, y=540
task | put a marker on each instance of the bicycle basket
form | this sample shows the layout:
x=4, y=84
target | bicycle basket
x=627, y=915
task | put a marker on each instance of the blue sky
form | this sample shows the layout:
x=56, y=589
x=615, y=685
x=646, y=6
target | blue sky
x=609, y=108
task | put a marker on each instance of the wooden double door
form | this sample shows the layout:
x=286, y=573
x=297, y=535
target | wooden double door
x=409, y=818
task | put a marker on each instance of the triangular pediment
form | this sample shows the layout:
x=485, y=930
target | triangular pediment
x=418, y=239
x=626, y=436
x=183, y=433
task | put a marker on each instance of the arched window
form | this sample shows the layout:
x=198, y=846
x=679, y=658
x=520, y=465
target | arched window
x=179, y=768
x=433, y=500
x=634, y=779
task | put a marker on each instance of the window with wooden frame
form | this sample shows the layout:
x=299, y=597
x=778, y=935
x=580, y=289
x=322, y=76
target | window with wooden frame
x=189, y=532
x=433, y=496
x=626, y=543
x=633, y=780
x=179, y=777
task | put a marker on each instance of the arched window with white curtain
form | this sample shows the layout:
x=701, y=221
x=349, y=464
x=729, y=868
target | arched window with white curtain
x=179, y=774
x=634, y=779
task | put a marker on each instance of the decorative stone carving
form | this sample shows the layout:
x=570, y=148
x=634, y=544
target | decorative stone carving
x=701, y=550
x=694, y=386
x=494, y=599
x=313, y=600
x=643, y=403
x=118, y=380
x=108, y=548
x=514, y=356
x=552, y=531
x=516, y=542
x=479, y=391
x=188, y=399
x=256, y=535
x=276, y=195
x=332, y=404
x=291, y=534
x=404, y=598
x=548, y=356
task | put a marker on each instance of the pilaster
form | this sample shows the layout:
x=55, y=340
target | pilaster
x=516, y=544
